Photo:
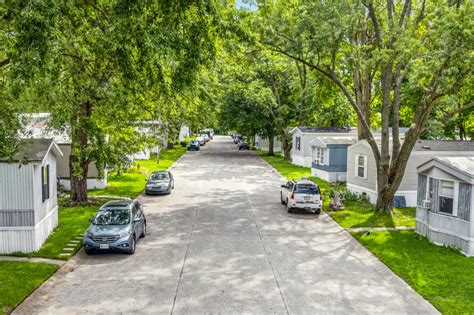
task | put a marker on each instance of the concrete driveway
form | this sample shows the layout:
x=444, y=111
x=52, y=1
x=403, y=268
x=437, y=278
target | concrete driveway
x=222, y=243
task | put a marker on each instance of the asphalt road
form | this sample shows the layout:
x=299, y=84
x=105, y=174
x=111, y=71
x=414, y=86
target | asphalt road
x=223, y=243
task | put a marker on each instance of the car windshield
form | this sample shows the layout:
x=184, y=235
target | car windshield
x=159, y=176
x=112, y=217
x=307, y=189
x=194, y=142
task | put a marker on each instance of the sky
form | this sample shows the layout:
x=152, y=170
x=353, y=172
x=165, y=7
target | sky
x=246, y=4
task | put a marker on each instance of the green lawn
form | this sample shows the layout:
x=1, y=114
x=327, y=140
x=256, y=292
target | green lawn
x=132, y=183
x=359, y=214
x=73, y=221
x=356, y=214
x=19, y=279
x=441, y=275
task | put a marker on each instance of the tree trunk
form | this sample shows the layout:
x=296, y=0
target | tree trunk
x=286, y=148
x=385, y=199
x=271, y=141
x=78, y=162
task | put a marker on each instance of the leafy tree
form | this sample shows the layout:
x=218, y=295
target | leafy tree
x=99, y=61
x=391, y=55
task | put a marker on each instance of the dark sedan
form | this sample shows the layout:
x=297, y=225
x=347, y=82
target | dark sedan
x=243, y=145
x=159, y=183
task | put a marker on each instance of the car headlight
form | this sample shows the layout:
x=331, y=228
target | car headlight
x=148, y=186
x=89, y=234
x=124, y=234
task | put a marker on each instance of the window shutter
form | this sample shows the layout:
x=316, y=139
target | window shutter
x=464, y=201
x=43, y=195
x=435, y=198
x=365, y=166
x=48, y=184
x=421, y=193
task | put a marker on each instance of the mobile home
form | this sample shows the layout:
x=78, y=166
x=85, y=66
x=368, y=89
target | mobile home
x=445, y=202
x=362, y=170
x=28, y=196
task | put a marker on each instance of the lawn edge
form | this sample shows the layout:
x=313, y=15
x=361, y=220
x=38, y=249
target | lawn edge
x=40, y=285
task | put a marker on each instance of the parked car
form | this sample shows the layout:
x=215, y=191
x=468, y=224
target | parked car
x=301, y=194
x=243, y=145
x=116, y=227
x=201, y=140
x=206, y=137
x=158, y=183
x=237, y=138
x=194, y=145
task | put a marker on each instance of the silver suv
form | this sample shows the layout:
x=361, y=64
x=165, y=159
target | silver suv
x=116, y=226
x=301, y=194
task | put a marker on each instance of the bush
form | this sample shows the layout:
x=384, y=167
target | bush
x=183, y=144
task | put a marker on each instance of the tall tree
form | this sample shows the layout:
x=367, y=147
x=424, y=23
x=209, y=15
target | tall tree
x=99, y=60
x=380, y=53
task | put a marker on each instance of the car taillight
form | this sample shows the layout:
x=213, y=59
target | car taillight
x=292, y=195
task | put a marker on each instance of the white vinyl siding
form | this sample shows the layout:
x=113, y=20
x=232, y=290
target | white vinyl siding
x=16, y=187
x=370, y=182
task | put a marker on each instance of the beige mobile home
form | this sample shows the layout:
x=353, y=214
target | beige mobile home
x=362, y=170
x=28, y=196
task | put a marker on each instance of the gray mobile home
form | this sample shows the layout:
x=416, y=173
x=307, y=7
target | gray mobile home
x=362, y=170
x=445, y=202
x=301, y=153
x=28, y=196
x=329, y=157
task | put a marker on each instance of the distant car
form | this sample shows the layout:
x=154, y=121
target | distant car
x=194, y=145
x=116, y=227
x=237, y=138
x=206, y=137
x=201, y=140
x=158, y=183
x=243, y=145
x=301, y=194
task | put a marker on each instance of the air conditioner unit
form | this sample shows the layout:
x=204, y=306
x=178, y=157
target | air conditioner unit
x=426, y=204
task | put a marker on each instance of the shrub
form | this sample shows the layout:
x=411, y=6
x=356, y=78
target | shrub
x=183, y=143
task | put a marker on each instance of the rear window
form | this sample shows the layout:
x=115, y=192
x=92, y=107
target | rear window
x=307, y=189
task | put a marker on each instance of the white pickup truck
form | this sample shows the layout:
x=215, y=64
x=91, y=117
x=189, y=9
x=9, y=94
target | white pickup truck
x=301, y=194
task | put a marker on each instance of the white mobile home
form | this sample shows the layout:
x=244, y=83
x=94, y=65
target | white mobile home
x=263, y=143
x=362, y=170
x=445, y=202
x=301, y=153
x=37, y=126
x=28, y=196
x=329, y=157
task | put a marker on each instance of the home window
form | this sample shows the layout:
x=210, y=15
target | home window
x=361, y=166
x=446, y=196
x=45, y=182
x=298, y=144
x=320, y=156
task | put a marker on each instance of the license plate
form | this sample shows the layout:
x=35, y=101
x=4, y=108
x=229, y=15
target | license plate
x=104, y=246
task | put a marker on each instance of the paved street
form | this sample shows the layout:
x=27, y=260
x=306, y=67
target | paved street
x=222, y=243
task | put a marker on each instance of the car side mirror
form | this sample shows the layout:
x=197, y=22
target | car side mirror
x=284, y=186
x=91, y=220
x=136, y=220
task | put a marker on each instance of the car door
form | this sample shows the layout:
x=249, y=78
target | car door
x=287, y=193
x=136, y=221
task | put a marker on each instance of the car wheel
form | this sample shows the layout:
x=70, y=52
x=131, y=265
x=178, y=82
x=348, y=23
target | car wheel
x=133, y=245
x=318, y=211
x=281, y=199
x=144, y=231
x=88, y=251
